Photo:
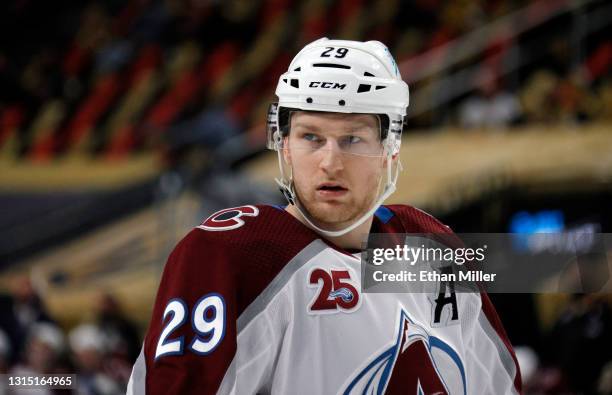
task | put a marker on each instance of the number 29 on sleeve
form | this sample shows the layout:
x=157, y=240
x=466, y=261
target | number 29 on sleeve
x=207, y=321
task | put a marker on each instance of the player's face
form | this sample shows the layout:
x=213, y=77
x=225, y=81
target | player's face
x=337, y=162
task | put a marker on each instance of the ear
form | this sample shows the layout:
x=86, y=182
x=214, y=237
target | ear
x=286, y=151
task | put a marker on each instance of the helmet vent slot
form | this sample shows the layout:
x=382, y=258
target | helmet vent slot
x=295, y=83
x=364, y=88
x=378, y=87
x=332, y=65
x=366, y=74
x=297, y=69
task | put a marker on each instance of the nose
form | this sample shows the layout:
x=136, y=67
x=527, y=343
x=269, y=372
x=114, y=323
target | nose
x=331, y=161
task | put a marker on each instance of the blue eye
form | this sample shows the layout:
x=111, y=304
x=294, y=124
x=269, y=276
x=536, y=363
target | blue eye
x=311, y=137
x=351, y=140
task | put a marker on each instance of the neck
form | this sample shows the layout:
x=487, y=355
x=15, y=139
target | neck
x=351, y=240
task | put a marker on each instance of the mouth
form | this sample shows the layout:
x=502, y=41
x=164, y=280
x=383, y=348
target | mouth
x=331, y=189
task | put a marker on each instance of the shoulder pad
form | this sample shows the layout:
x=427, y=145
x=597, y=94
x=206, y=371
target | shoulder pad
x=255, y=227
x=415, y=220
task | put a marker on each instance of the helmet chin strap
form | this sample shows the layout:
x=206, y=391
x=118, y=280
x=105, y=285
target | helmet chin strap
x=286, y=187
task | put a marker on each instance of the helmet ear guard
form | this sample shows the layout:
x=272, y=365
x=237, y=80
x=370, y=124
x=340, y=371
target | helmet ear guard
x=347, y=77
x=272, y=129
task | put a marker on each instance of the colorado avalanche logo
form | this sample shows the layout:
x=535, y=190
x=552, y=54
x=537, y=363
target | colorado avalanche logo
x=412, y=366
x=228, y=219
x=343, y=293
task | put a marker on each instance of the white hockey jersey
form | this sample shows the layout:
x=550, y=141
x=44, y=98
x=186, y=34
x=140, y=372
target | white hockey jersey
x=254, y=302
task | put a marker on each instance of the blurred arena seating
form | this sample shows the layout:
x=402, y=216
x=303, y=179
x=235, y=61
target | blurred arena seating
x=110, y=79
x=187, y=83
x=123, y=124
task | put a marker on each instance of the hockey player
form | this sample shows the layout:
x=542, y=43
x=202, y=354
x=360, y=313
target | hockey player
x=266, y=299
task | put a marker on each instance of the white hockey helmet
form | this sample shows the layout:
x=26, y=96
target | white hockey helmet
x=347, y=77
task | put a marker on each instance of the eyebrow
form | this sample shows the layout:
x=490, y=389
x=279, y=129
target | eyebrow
x=305, y=126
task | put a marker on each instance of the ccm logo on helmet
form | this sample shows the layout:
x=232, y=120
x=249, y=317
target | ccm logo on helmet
x=228, y=219
x=328, y=85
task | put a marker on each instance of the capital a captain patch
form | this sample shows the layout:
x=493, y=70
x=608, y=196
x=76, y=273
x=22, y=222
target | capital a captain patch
x=229, y=218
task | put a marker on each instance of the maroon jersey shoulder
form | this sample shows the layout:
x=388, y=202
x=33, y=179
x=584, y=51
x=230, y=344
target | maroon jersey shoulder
x=255, y=242
x=221, y=266
x=410, y=219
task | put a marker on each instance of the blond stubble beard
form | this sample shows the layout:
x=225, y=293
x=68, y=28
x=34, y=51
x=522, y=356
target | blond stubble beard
x=335, y=216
